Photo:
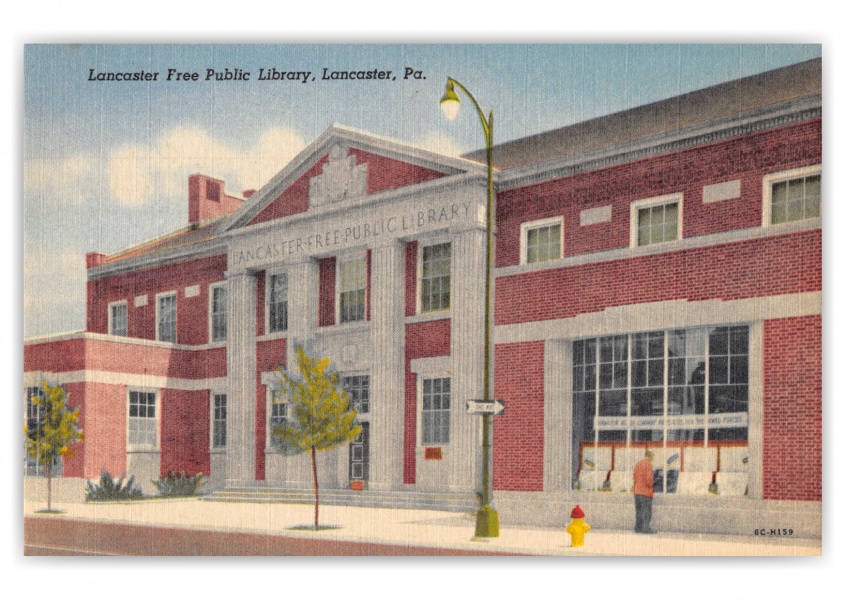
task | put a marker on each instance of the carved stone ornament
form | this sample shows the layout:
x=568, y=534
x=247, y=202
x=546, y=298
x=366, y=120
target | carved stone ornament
x=342, y=179
x=349, y=354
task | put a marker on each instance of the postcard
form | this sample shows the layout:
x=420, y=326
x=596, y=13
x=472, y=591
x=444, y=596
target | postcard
x=422, y=300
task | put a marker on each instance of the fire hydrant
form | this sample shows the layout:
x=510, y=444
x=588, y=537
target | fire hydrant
x=577, y=527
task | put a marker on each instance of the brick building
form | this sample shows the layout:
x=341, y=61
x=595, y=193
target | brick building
x=658, y=284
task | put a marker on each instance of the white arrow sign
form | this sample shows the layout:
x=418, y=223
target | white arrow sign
x=480, y=407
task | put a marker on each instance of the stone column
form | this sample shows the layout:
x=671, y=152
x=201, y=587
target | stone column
x=557, y=416
x=387, y=378
x=241, y=379
x=468, y=322
x=302, y=306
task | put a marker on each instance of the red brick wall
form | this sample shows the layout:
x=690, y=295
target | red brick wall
x=518, y=432
x=422, y=340
x=326, y=292
x=56, y=357
x=792, y=428
x=747, y=158
x=410, y=279
x=261, y=278
x=388, y=174
x=105, y=429
x=784, y=264
x=269, y=355
x=294, y=199
x=185, y=423
x=192, y=318
x=118, y=357
x=74, y=464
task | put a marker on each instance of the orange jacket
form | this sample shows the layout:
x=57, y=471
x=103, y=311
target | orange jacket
x=643, y=479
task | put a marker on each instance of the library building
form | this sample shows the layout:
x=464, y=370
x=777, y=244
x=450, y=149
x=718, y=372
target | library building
x=657, y=285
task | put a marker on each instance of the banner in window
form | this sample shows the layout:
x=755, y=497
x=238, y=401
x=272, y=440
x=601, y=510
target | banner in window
x=714, y=421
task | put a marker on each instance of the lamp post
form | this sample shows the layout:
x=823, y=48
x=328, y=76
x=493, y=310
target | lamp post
x=487, y=519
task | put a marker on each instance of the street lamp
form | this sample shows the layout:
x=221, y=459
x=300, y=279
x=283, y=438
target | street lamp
x=487, y=519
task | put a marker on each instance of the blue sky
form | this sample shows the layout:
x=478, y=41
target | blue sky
x=106, y=163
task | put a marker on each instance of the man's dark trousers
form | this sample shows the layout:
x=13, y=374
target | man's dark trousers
x=643, y=514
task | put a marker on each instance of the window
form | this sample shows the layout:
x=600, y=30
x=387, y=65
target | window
x=677, y=386
x=218, y=421
x=34, y=413
x=143, y=425
x=352, y=289
x=277, y=309
x=278, y=416
x=435, y=413
x=217, y=299
x=435, y=277
x=118, y=318
x=792, y=195
x=656, y=220
x=541, y=240
x=358, y=388
x=166, y=317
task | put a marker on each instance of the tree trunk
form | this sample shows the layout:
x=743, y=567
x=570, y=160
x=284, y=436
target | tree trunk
x=49, y=489
x=316, y=492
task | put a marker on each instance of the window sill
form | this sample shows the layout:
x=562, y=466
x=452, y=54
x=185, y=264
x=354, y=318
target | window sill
x=143, y=451
x=430, y=316
x=276, y=335
x=352, y=326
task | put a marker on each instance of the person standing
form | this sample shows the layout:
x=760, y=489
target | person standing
x=643, y=493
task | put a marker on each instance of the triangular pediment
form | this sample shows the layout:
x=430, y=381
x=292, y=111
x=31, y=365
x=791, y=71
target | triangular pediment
x=341, y=166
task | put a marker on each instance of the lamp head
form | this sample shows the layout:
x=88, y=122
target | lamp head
x=450, y=102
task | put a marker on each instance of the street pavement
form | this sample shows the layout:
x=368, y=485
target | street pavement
x=414, y=529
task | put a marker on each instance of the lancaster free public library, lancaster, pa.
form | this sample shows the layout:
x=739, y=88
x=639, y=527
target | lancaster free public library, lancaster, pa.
x=658, y=284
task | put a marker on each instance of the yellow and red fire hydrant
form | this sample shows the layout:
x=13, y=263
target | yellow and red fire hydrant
x=577, y=527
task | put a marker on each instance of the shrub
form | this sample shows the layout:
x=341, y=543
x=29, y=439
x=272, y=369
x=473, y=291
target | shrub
x=175, y=485
x=109, y=489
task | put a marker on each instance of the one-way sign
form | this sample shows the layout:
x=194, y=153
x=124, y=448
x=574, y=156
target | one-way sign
x=480, y=407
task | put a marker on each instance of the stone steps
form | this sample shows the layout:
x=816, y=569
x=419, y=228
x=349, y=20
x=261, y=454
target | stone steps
x=447, y=501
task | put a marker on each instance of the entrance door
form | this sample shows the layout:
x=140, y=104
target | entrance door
x=360, y=455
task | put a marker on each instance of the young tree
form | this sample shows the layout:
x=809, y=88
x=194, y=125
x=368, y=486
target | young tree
x=51, y=430
x=319, y=413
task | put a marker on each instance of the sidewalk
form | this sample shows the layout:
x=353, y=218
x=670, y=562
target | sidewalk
x=422, y=528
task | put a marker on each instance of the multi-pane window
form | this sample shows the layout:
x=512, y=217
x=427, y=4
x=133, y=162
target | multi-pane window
x=796, y=199
x=277, y=313
x=542, y=242
x=662, y=386
x=118, y=319
x=435, y=278
x=278, y=416
x=436, y=410
x=34, y=412
x=219, y=421
x=218, y=313
x=166, y=318
x=143, y=427
x=657, y=223
x=358, y=388
x=352, y=286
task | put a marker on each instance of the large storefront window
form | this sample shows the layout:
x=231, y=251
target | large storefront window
x=682, y=392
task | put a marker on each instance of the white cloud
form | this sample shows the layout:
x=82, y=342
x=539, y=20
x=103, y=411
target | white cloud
x=139, y=174
x=442, y=144
x=68, y=179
